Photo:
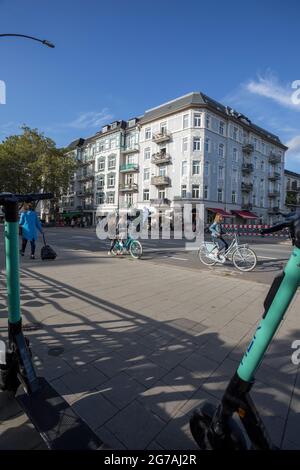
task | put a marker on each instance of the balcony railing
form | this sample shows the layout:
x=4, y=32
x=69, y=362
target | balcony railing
x=247, y=167
x=131, y=149
x=293, y=189
x=160, y=158
x=160, y=202
x=85, y=177
x=274, y=193
x=160, y=180
x=274, y=158
x=273, y=210
x=246, y=187
x=274, y=176
x=161, y=137
x=128, y=187
x=129, y=167
x=248, y=148
x=247, y=206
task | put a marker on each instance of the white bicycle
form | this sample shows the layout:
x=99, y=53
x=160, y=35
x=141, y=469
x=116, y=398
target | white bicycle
x=243, y=257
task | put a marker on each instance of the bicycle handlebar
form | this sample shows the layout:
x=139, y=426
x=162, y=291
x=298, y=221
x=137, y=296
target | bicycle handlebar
x=10, y=197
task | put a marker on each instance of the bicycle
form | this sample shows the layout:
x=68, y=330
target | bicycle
x=128, y=246
x=214, y=427
x=243, y=257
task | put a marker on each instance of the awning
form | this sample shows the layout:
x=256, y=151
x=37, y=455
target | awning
x=246, y=214
x=71, y=214
x=220, y=211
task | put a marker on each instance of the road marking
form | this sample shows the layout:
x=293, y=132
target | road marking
x=267, y=257
x=175, y=257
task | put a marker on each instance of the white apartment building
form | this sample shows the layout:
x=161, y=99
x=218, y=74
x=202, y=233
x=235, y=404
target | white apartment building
x=191, y=149
x=292, y=190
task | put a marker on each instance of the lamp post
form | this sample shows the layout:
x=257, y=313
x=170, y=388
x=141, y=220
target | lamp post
x=42, y=41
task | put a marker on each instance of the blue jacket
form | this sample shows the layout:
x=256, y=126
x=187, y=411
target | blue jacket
x=215, y=229
x=30, y=222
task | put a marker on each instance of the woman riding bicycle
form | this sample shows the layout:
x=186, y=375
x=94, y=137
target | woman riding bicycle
x=216, y=231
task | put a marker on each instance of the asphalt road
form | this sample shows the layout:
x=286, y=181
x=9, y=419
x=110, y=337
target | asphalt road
x=272, y=254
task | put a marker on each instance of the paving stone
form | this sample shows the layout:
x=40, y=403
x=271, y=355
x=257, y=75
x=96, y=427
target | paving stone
x=94, y=409
x=121, y=390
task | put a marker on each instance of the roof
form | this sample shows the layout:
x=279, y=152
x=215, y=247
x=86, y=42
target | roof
x=200, y=99
x=292, y=173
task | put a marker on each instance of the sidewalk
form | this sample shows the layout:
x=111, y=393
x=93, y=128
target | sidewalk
x=135, y=347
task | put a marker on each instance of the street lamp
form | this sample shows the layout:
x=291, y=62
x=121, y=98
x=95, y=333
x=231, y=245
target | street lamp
x=43, y=41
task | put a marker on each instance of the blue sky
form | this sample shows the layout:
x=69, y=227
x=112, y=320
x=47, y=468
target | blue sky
x=115, y=59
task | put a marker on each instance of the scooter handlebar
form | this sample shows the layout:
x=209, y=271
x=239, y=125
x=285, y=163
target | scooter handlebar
x=275, y=228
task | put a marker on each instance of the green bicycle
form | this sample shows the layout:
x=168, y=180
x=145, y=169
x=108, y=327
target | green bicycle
x=130, y=245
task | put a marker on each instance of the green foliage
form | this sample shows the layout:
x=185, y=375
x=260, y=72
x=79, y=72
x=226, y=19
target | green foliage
x=291, y=198
x=30, y=162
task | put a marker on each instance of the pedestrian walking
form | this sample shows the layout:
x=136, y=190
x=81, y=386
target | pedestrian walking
x=30, y=224
x=72, y=223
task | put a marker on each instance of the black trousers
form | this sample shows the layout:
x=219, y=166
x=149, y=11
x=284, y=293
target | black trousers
x=32, y=243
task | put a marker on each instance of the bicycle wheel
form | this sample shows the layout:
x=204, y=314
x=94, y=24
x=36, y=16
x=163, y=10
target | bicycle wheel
x=244, y=259
x=136, y=249
x=115, y=249
x=204, y=256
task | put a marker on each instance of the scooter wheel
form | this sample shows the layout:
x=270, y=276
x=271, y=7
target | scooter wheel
x=205, y=438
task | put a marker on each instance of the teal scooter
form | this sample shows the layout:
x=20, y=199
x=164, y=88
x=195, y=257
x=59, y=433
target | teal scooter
x=214, y=428
x=52, y=416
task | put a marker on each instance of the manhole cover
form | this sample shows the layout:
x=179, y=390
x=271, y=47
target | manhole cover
x=57, y=351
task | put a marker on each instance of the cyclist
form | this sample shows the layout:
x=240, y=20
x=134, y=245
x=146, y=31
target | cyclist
x=216, y=231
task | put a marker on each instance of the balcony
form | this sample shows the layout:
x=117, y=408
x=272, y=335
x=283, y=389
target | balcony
x=129, y=167
x=128, y=187
x=131, y=149
x=160, y=158
x=161, y=137
x=160, y=180
x=247, y=206
x=246, y=187
x=248, y=148
x=293, y=189
x=273, y=210
x=160, y=202
x=274, y=176
x=85, y=177
x=274, y=193
x=274, y=158
x=247, y=167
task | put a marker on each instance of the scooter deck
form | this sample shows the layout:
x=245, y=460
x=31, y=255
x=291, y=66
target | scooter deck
x=54, y=419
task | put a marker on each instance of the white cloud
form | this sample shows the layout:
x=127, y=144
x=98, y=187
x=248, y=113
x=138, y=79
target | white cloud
x=90, y=119
x=270, y=87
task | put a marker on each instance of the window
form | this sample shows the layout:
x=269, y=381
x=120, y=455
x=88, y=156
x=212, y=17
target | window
x=220, y=195
x=162, y=171
x=129, y=179
x=183, y=190
x=234, y=175
x=205, y=192
x=207, y=144
x=196, y=167
x=147, y=153
x=162, y=194
x=101, y=164
x=146, y=174
x=196, y=143
x=100, y=198
x=163, y=128
x=130, y=159
x=206, y=169
x=129, y=198
x=185, y=121
x=184, y=168
x=111, y=179
x=195, y=191
x=146, y=195
x=262, y=166
x=148, y=133
x=254, y=199
x=113, y=143
x=207, y=121
x=261, y=201
x=221, y=150
x=197, y=120
x=235, y=133
x=221, y=127
x=112, y=162
x=100, y=182
x=110, y=198
x=220, y=172
x=233, y=197
x=263, y=147
x=184, y=144
x=235, y=155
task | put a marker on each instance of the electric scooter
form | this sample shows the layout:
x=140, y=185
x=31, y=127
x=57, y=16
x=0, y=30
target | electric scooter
x=214, y=428
x=52, y=416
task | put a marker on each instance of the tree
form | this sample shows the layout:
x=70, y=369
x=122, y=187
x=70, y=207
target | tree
x=291, y=198
x=31, y=162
